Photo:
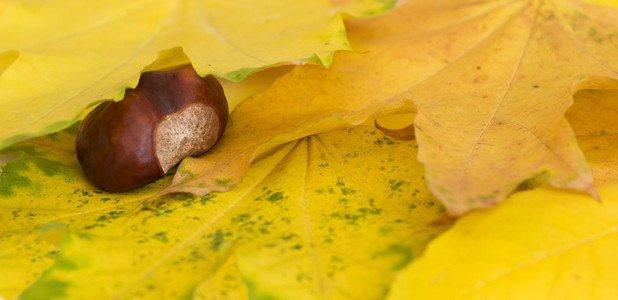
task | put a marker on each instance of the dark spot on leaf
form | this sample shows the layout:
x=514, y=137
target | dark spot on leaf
x=112, y=215
x=401, y=254
x=160, y=236
x=275, y=197
x=217, y=240
x=223, y=182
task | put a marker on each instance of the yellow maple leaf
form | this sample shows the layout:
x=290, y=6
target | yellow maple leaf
x=540, y=244
x=56, y=58
x=319, y=216
x=491, y=81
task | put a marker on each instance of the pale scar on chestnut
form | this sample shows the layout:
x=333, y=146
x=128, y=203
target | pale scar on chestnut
x=170, y=115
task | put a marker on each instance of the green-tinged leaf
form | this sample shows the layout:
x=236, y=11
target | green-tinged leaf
x=333, y=215
x=40, y=188
x=539, y=244
x=57, y=58
x=364, y=8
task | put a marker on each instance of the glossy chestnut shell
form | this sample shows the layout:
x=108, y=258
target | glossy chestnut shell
x=119, y=143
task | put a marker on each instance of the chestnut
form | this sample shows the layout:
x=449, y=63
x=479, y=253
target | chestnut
x=170, y=115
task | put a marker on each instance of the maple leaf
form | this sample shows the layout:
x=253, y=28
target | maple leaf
x=491, y=81
x=320, y=216
x=537, y=244
x=58, y=58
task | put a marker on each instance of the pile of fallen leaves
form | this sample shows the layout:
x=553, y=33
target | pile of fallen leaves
x=305, y=197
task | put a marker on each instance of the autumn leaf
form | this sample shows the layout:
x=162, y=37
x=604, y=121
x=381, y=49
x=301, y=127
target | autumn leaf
x=57, y=58
x=320, y=216
x=541, y=244
x=491, y=81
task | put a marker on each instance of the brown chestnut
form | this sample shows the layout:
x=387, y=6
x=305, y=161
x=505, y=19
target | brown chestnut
x=170, y=115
